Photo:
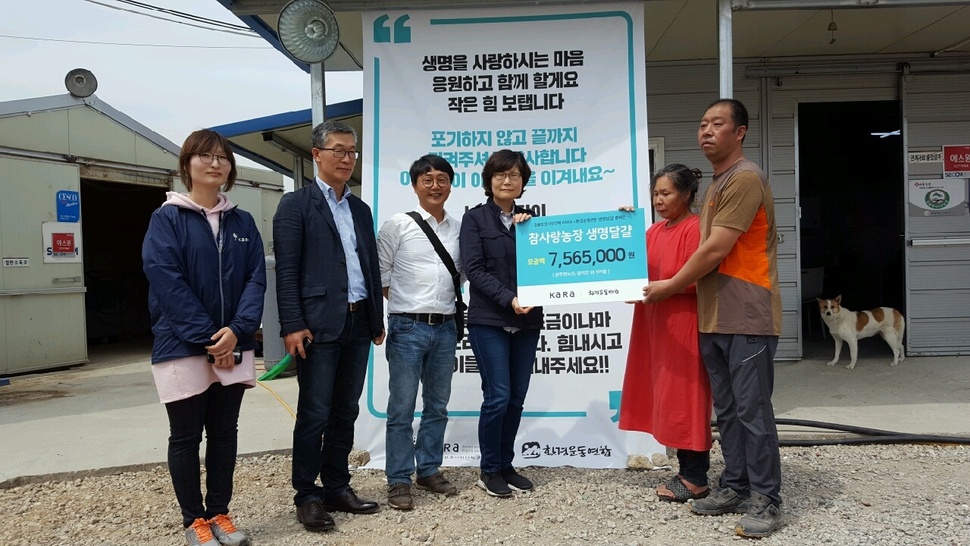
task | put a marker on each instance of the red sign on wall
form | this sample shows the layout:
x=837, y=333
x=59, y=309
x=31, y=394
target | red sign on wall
x=63, y=243
x=956, y=161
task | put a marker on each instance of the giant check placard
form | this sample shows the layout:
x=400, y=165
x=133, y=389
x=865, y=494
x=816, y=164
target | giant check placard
x=581, y=258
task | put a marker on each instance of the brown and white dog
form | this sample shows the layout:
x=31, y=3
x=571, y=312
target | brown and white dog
x=851, y=326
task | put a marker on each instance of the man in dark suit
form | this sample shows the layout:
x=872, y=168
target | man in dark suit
x=328, y=286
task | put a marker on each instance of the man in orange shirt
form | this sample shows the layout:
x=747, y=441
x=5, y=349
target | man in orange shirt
x=739, y=318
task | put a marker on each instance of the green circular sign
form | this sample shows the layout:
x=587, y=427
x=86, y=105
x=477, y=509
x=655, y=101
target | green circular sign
x=937, y=199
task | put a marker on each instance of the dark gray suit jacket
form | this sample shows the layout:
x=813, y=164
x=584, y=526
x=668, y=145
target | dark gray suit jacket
x=311, y=269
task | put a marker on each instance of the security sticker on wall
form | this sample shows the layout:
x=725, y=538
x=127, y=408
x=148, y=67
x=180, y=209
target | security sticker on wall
x=62, y=242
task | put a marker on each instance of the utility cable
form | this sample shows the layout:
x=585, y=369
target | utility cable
x=90, y=42
x=868, y=435
x=249, y=34
x=184, y=15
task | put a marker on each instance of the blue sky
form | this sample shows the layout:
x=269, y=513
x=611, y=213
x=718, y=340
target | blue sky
x=171, y=90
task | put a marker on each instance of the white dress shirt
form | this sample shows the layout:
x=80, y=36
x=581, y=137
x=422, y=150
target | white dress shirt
x=418, y=280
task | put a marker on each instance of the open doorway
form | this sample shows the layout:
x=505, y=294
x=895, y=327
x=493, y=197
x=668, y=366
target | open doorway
x=114, y=221
x=851, y=193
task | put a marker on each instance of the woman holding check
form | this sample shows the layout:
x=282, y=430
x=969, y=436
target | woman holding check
x=503, y=334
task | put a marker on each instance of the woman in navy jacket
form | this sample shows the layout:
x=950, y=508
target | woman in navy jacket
x=502, y=333
x=206, y=272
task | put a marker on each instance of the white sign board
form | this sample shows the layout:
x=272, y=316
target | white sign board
x=946, y=197
x=565, y=85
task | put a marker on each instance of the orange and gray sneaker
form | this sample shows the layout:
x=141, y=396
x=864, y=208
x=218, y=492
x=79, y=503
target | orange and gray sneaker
x=199, y=534
x=226, y=533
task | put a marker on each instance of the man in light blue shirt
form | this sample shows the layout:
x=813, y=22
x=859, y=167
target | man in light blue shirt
x=328, y=287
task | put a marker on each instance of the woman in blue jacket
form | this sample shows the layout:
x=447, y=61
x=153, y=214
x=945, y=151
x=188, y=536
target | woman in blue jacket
x=502, y=333
x=206, y=272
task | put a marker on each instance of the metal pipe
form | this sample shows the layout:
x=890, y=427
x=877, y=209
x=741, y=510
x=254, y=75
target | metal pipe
x=725, y=49
x=751, y=5
x=318, y=102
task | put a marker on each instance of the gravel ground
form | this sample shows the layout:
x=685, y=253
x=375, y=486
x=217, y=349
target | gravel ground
x=894, y=494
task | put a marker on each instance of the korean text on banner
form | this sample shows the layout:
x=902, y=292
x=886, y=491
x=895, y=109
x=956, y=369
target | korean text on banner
x=566, y=86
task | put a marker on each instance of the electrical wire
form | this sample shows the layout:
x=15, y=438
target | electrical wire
x=189, y=16
x=91, y=42
x=250, y=33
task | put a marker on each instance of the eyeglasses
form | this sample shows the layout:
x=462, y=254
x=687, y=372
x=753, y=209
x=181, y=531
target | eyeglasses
x=340, y=153
x=207, y=158
x=511, y=177
x=430, y=182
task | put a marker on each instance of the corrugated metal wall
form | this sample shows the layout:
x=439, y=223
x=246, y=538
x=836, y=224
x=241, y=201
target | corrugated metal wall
x=937, y=110
x=781, y=103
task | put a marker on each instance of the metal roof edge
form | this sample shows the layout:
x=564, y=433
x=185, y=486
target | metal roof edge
x=287, y=120
x=133, y=124
x=61, y=102
x=261, y=159
x=39, y=104
x=274, y=122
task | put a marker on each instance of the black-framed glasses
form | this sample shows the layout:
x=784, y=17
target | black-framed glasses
x=339, y=153
x=429, y=182
x=511, y=177
x=206, y=158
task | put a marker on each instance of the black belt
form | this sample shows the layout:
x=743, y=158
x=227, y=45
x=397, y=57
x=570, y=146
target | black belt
x=355, y=306
x=427, y=318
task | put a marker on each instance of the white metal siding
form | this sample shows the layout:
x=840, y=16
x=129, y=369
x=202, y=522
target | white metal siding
x=781, y=167
x=937, y=110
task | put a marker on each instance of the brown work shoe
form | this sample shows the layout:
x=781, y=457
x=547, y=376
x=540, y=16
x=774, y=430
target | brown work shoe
x=399, y=496
x=437, y=483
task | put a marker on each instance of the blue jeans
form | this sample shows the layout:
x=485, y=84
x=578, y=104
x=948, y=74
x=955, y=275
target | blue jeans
x=331, y=379
x=217, y=412
x=505, y=362
x=417, y=351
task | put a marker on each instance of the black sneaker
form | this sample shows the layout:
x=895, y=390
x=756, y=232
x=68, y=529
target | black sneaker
x=762, y=518
x=494, y=484
x=517, y=481
x=721, y=501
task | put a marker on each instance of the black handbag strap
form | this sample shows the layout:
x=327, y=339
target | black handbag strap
x=443, y=254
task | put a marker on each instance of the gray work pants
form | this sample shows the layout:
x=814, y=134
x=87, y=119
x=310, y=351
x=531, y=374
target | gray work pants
x=742, y=373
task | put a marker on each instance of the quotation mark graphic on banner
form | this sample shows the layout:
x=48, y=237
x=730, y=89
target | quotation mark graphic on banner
x=402, y=34
x=615, y=405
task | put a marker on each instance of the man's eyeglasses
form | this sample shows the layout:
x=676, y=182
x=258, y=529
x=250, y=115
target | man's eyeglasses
x=207, y=158
x=429, y=182
x=511, y=177
x=340, y=153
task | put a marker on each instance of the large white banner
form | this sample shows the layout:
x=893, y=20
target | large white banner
x=566, y=86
